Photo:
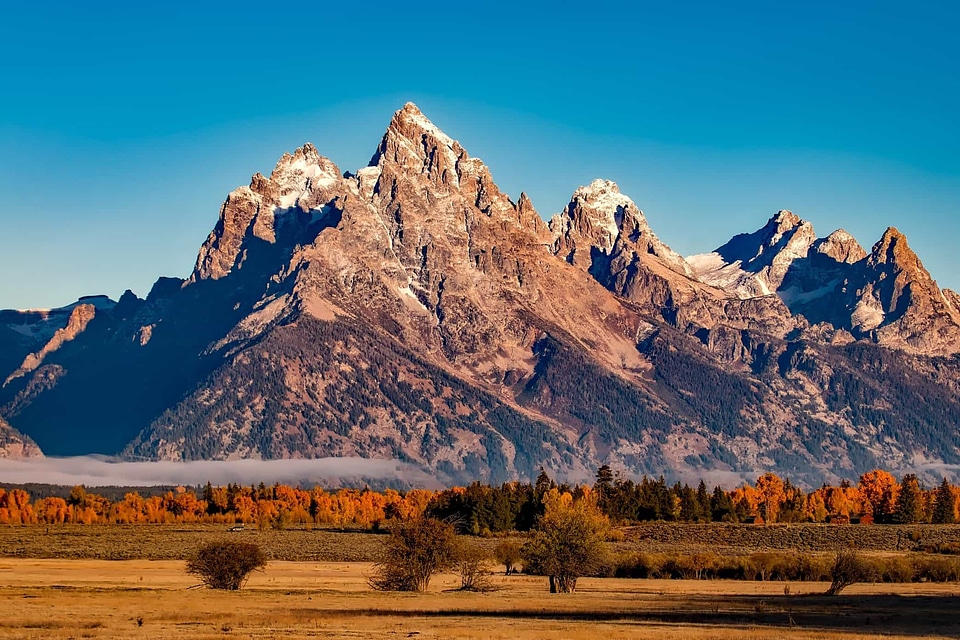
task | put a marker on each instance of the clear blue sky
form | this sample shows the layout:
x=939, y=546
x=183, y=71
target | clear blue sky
x=124, y=125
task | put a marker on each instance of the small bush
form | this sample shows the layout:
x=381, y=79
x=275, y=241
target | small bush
x=747, y=568
x=813, y=569
x=507, y=553
x=616, y=535
x=226, y=564
x=895, y=570
x=474, y=566
x=945, y=548
x=937, y=569
x=639, y=565
x=415, y=551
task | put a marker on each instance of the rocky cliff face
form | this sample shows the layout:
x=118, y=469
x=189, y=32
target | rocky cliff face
x=77, y=321
x=885, y=296
x=898, y=304
x=412, y=310
x=14, y=444
x=755, y=264
x=603, y=233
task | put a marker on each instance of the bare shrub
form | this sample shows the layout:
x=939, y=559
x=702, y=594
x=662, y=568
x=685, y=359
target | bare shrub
x=848, y=568
x=474, y=566
x=226, y=564
x=415, y=551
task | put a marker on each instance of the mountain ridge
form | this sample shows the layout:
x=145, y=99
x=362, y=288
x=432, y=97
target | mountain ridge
x=412, y=310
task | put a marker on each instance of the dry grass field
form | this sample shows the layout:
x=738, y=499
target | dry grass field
x=129, y=582
x=61, y=599
x=175, y=542
x=735, y=539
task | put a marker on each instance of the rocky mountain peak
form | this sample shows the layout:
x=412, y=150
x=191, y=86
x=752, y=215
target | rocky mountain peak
x=413, y=145
x=418, y=169
x=784, y=220
x=898, y=276
x=786, y=225
x=305, y=155
x=755, y=264
x=841, y=246
x=594, y=218
x=892, y=249
x=900, y=305
x=604, y=233
x=296, y=176
x=295, y=194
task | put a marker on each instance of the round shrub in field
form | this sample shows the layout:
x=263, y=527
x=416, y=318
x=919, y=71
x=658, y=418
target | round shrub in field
x=415, y=551
x=226, y=564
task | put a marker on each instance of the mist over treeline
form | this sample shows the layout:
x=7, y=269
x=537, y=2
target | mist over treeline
x=95, y=471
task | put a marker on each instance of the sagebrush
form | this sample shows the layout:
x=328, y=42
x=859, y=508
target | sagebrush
x=226, y=564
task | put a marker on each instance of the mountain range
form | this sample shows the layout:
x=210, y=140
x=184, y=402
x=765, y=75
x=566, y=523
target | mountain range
x=413, y=311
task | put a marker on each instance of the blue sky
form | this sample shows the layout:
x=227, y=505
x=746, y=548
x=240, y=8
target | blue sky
x=122, y=127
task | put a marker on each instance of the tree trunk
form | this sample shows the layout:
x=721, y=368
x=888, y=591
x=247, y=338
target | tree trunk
x=566, y=584
x=553, y=584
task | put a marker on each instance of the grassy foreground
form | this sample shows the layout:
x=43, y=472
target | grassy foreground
x=60, y=599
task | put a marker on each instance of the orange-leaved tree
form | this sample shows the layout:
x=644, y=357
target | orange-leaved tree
x=568, y=542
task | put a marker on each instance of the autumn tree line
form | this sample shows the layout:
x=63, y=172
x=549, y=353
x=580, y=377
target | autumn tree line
x=515, y=506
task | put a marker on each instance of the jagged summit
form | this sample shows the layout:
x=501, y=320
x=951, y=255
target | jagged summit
x=600, y=221
x=783, y=221
x=411, y=134
x=410, y=121
x=755, y=264
x=596, y=214
x=892, y=248
x=413, y=145
x=841, y=246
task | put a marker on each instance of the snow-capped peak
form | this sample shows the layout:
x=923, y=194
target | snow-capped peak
x=411, y=115
x=754, y=264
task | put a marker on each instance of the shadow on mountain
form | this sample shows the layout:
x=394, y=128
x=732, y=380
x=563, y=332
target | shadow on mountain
x=821, y=289
x=143, y=356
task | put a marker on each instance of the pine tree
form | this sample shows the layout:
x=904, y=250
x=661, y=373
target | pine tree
x=543, y=484
x=703, y=499
x=909, y=506
x=943, y=504
x=603, y=487
x=689, y=507
x=721, y=505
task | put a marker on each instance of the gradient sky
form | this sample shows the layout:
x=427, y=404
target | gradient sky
x=124, y=125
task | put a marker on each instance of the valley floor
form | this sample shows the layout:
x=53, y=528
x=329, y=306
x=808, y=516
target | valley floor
x=83, y=598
